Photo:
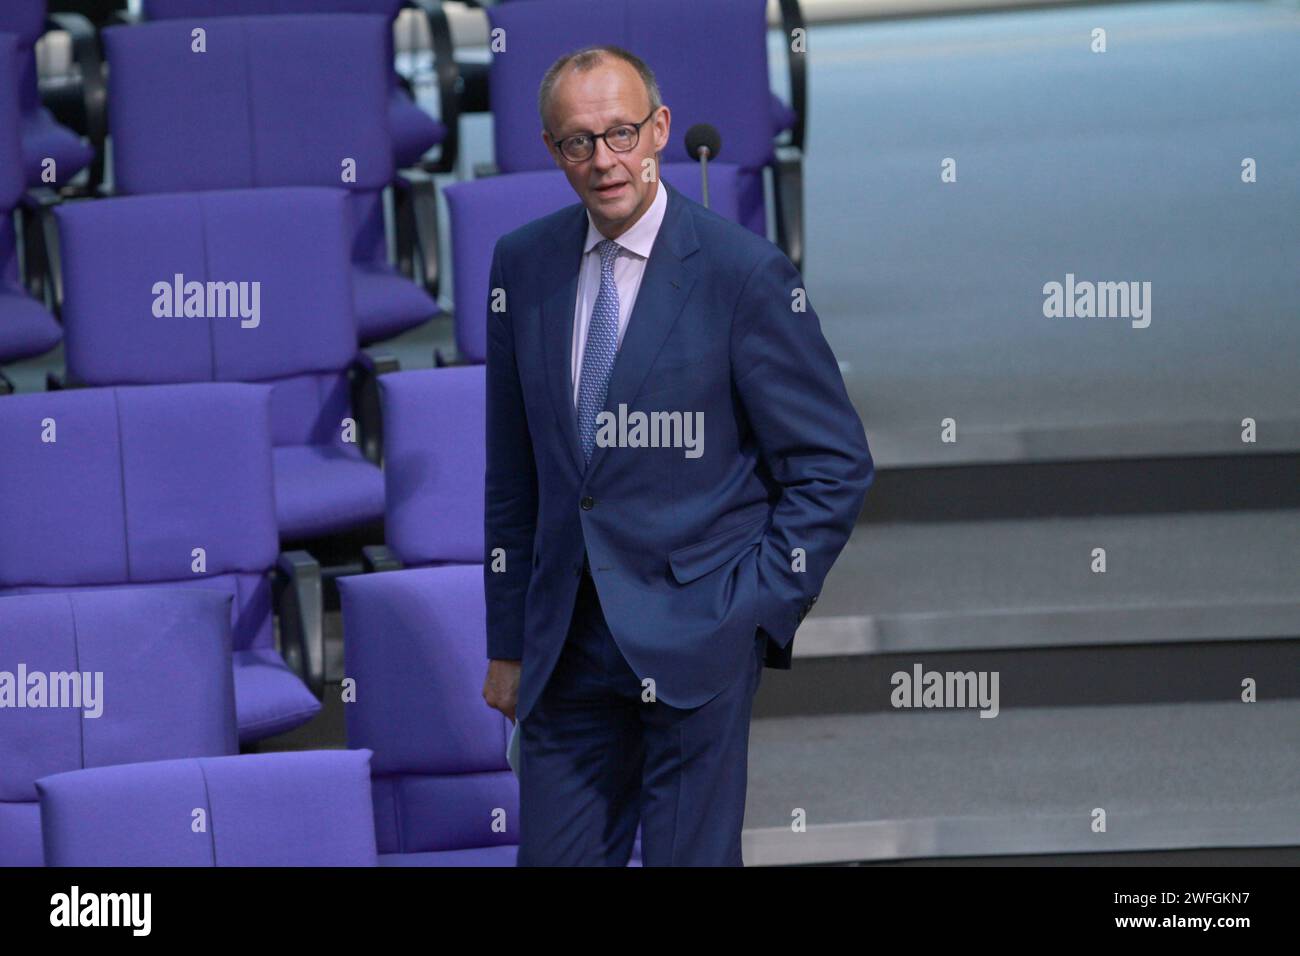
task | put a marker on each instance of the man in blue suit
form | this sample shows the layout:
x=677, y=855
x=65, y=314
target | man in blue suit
x=673, y=465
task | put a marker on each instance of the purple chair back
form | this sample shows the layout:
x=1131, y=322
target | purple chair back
x=165, y=690
x=25, y=19
x=260, y=108
x=434, y=422
x=414, y=645
x=12, y=182
x=414, y=131
x=291, y=245
x=308, y=808
x=484, y=210
x=104, y=487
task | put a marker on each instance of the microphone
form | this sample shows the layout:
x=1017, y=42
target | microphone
x=702, y=144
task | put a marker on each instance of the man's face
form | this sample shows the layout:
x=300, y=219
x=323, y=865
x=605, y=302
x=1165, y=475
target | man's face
x=616, y=188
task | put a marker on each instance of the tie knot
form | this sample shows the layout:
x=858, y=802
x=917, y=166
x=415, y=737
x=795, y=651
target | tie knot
x=608, y=249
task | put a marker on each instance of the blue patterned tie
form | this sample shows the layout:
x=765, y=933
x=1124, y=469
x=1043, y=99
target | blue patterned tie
x=602, y=346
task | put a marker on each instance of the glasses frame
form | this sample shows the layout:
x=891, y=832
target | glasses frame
x=636, y=128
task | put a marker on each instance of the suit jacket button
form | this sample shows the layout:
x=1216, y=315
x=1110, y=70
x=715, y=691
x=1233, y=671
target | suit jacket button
x=588, y=503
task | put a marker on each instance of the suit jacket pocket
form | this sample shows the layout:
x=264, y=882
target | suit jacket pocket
x=696, y=560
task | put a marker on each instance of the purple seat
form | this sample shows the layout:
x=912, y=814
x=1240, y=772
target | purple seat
x=294, y=243
x=710, y=63
x=164, y=486
x=434, y=461
x=42, y=135
x=307, y=808
x=166, y=691
x=26, y=328
x=414, y=131
x=260, y=108
x=413, y=642
x=484, y=210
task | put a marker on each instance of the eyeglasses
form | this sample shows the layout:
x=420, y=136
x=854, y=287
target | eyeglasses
x=620, y=139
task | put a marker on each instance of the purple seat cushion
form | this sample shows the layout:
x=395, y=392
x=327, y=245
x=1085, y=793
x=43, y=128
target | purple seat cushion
x=322, y=489
x=44, y=138
x=269, y=698
x=26, y=328
x=414, y=131
x=387, y=303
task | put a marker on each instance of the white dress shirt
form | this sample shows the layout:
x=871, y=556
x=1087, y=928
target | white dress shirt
x=629, y=267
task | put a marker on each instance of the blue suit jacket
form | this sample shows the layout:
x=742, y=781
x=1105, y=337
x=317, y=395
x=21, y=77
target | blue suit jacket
x=690, y=556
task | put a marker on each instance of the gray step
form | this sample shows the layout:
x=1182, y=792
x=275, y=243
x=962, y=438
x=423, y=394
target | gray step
x=958, y=586
x=935, y=784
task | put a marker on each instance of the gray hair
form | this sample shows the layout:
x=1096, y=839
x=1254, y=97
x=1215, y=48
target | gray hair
x=588, y=58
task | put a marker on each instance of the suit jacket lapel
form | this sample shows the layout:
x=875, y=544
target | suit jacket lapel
x=665, y=286
x=557, y=329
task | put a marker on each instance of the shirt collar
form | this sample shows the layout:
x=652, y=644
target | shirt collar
x=640, y=239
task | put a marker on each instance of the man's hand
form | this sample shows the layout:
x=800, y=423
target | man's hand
x=501, y=689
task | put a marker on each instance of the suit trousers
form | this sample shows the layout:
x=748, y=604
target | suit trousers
x=596, y=759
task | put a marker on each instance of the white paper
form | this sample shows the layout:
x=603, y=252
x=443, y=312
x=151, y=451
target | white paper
x=512, y=749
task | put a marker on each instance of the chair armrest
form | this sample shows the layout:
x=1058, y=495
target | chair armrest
x=791, y=20
x=380, y=557
x=90, y=63
x=363, y=378
x=416, y=215
x=449, y=82
x=299, y=604
x=41, y=239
